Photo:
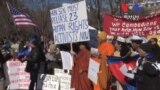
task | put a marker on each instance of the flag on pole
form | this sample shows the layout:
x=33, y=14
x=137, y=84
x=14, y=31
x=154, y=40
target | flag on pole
x=20, y=18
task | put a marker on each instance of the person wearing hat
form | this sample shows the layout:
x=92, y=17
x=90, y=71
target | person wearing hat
x=122, y=47
x=105, y=49
x=147, y=73
x=33, y=62
x=136, y=41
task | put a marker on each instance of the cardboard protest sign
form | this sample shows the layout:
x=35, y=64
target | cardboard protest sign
x=93, y=71
x=18, y=78
x=70, y=23
x=47, y=82
x=65, y=79
x=144, y=26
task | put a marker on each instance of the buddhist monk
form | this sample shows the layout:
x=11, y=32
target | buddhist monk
x=80, y=79
x=105, y=49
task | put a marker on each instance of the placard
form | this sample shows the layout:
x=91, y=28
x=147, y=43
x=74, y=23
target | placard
x=93, y=70
x=70, y=23
x=67, y=60
x=47, y=82
x=65, y=79
x=17, y=77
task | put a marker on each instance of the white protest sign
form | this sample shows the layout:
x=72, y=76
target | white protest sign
x=67, y=60
x=65, y=79
x=18, y=78
x=93, y=70
x=47, y=82
x=70, y=23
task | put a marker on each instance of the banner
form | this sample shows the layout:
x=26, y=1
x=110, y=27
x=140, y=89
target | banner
x=47, y=82
x=122, y=27
x=17, y=77
x=70, y=23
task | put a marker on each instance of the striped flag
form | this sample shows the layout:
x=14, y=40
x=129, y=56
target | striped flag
x=20, y=18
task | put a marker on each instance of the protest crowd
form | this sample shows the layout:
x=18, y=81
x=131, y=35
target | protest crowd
x=145, y=72
x=79, y=58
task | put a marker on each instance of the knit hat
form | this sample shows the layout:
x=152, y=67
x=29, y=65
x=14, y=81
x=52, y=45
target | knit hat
x=147, y=47
x=102, y=35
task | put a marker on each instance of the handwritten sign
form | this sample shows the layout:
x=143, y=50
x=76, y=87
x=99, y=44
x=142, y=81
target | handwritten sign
x=48, y=82
x=18, y=78
x=65, y=79
x=144, y=26
x=70, y=23
x=93, y=70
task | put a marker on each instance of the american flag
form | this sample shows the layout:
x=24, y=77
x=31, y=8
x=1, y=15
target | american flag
x=20, y=18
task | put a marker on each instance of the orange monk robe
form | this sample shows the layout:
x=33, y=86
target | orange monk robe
x=105, y=49
x=80, y=80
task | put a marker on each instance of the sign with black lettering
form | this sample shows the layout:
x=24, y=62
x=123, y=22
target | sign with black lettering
x=64, y=78
x=15, y=75
x=70, y=23
x=47, y=82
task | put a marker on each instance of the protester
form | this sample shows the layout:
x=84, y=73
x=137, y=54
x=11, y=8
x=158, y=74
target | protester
x=6, y=52
x=1, y=62
x=105, y=49
x=33, y=62
x=53, y=58
x=122, y=47
x=154, y=42
x=122, y=50
x=80, y=79
x=15, y=45
x=21, y=44
x=147, y=75
x=136, y=41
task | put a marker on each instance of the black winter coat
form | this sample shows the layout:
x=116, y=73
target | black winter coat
x=147, y=76
x=33, y=62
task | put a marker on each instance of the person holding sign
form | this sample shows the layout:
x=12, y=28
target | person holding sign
x=80, y=79
x=105, y=49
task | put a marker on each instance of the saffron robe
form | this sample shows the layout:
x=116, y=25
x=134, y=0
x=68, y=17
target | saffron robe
x=105, y=49
x=80, y=79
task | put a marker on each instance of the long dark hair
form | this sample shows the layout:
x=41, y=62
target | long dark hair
x=124, y=48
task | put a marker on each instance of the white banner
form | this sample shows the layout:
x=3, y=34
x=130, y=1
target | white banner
x=70, y=23
x=93, y=70
x=17, y=77
x=47, y=82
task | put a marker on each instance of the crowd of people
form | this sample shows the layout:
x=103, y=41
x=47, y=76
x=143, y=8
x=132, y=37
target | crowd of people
x=35, y=50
